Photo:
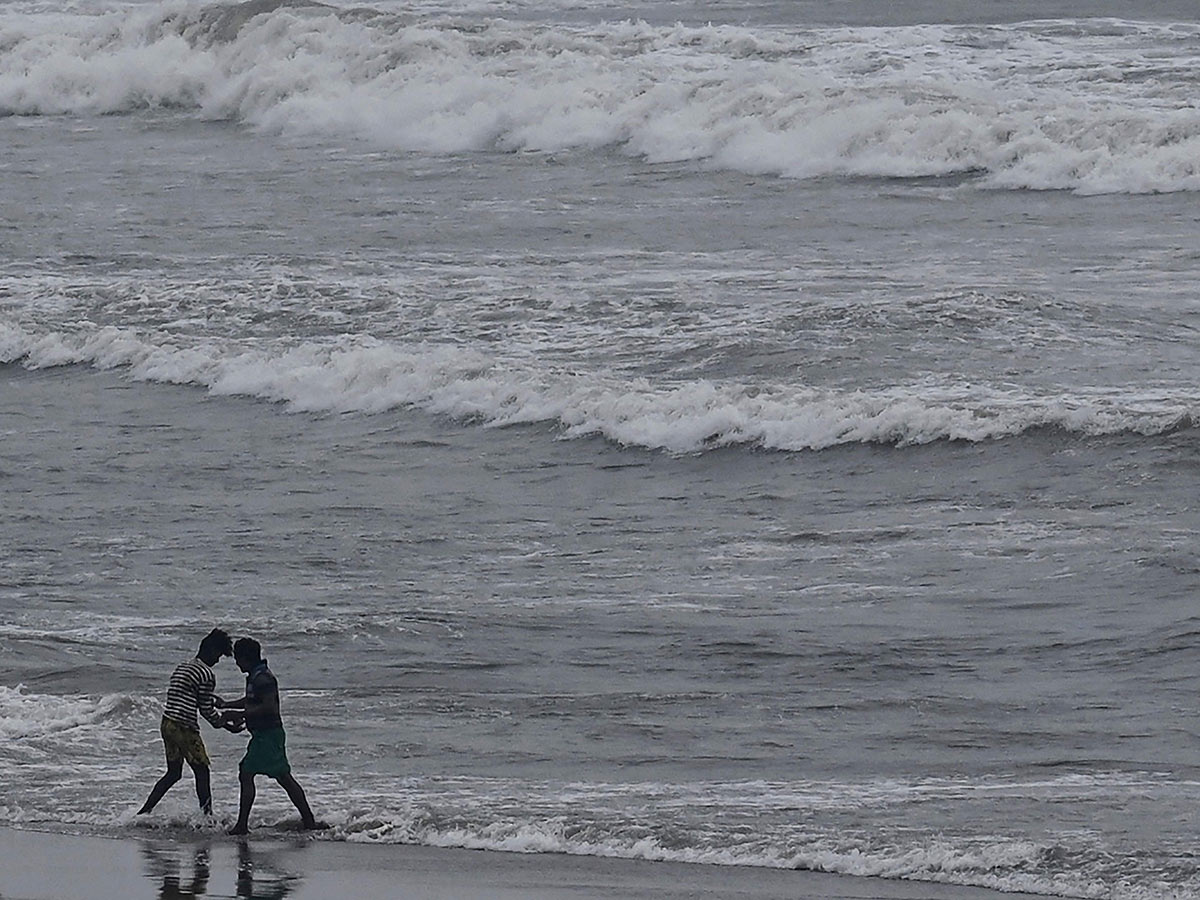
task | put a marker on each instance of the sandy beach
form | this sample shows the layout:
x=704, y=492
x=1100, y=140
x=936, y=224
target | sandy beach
x=43, y=866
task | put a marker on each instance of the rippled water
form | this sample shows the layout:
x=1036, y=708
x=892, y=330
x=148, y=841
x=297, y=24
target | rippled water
x=614, y=473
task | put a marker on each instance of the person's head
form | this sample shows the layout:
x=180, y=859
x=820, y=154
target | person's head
x=247, y=653
x=215, y=645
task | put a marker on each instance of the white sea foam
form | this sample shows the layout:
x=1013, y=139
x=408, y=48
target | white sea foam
x=1016, y=865
x=26, y=715
x=1098, y=107
x=620, y=822
x=700, y=823
x=369, y=376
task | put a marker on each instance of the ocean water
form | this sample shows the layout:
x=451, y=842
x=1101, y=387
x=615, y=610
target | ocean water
x=733, y=432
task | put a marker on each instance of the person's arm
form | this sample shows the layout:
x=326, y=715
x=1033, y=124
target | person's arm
x=240, y=703
x=205, y=704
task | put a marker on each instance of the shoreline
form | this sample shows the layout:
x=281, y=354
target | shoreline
x=41, y=865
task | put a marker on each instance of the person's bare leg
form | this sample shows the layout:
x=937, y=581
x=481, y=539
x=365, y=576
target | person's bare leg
x=245, y=803
x=203, y=788
x=296, y=795
x=164, y=784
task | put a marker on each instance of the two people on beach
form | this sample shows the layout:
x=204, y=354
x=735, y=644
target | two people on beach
x=191, y=693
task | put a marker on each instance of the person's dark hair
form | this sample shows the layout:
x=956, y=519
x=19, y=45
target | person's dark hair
x=219, y=642
x=247, y=648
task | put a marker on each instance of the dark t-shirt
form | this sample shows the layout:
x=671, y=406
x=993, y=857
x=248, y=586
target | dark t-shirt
x=262, y=688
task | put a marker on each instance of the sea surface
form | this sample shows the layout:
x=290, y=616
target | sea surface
x=756, y=433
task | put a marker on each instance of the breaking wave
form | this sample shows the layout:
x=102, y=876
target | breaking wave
x=26, y=716
x=1093, y=106
x=364, y=375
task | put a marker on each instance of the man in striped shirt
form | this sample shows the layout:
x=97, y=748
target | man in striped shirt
x=190, y=692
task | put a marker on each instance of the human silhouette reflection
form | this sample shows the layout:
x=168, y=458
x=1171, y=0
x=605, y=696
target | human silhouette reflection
x=166, y=869
x=259, y=886
x=188, y=872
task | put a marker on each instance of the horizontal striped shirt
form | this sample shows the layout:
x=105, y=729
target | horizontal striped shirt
x=191, y=691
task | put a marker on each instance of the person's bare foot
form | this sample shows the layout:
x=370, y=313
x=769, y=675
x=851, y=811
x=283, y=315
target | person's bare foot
x=238, y=829
x=314, y=825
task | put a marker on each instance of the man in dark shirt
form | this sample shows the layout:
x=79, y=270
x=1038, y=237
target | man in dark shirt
x=190, y=692
x=267, y=753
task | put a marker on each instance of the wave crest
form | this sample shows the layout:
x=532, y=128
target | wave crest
x=361, y=375
x=24, y=715
x=1030, y=106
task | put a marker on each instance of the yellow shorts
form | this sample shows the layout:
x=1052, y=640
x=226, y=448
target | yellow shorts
x=181, y=743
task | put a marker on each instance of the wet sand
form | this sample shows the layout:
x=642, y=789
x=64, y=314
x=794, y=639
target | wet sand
x=43, y=866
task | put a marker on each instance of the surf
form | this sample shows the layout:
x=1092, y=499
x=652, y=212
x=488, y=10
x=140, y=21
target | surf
x=1097, y=107
x=368, y=376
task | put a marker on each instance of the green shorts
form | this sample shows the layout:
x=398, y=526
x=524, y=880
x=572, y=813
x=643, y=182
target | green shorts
x=267, y=754
x=181, y=743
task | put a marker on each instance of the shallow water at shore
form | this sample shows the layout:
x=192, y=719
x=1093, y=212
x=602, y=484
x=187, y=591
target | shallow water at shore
x=633, y=679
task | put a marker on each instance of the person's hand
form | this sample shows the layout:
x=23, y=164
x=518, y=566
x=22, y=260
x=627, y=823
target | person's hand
x=218, y=703
x=233, y=722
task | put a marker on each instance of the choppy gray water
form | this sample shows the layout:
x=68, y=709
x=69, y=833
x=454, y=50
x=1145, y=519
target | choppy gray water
x=767, y=442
